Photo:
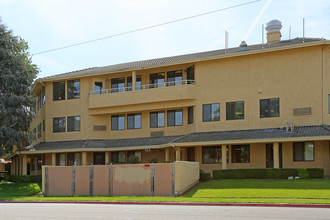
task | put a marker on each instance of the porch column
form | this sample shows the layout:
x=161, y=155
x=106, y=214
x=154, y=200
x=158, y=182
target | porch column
x=16, y=165
x=276, y=155
x=177, y=153
x=224, y=156
x=83, y=158
x=133, y=81
x=53, y=159
x=24, y=164
x=107, y=158
x=167, y=155
x=12, y=167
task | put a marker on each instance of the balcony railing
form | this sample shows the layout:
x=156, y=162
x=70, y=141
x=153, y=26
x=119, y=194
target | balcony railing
x=143, y=87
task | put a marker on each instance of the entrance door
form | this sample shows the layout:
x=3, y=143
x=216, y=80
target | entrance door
x=269, y=156
x=191, y=154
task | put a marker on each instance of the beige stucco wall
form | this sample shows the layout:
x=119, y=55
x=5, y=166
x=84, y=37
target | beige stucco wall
x=186, y=175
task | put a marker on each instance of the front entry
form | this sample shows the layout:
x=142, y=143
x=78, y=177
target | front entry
x=269, y=156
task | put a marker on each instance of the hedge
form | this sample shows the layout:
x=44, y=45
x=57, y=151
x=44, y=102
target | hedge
x=24, y=179
x=204, y=176
x=268, y=173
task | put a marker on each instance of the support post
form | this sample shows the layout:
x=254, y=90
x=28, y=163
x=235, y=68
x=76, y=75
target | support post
x=84, y=158
x=177, y=153
x=107, y=158
x=133, y=81
x=24, y=164
x=276, y=155
x=167, y=155
x=53, y=159
x=224, y=156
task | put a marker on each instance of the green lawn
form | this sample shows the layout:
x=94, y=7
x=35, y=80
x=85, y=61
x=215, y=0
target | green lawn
x=315, y=191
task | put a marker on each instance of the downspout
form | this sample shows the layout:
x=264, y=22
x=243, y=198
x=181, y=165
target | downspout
x=323, y=81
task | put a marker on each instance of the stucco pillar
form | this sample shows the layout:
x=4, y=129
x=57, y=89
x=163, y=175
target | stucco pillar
x=83, y=158
x=53, y=159
x=133, y=80
x=107, y=158
x=167, y=155
x=177, y=153
x=224, y=156
x=24, y=164
x=276, y=155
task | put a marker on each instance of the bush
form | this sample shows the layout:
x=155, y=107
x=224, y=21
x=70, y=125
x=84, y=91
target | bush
x=24, y=179
x=204, y=176
x=153, y=160
x=133, y=159
x=268, y=173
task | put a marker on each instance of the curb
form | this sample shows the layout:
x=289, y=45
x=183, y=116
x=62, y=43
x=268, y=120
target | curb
x=179, y=203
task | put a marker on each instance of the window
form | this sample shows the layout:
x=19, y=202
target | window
x=60, y=159
x=234, y=110
x=117, y=122
x=240, y=153
x=134, y=153
x=211, y=112
x=174, y=78
x=118, y=157
x=190, y=74
x=303, y=151
x=43, y=125
x=174, y=117
x=59, y=124
x=99, y=158
x=190, y=115
x=157, y=80
x=34, y=133
x=157, y=119
x=269, y=108
x=138, y=84
x=133, y=121
x=118, y=85
x=41, y=98
x=58, y=91
x=98, y=87
x=39, y=130
x=74, y=89
x=211, y=155
x=329, y=102
x=74, y=123
x=73, y=159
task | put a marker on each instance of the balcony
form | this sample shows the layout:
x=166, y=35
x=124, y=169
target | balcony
x=149, y=93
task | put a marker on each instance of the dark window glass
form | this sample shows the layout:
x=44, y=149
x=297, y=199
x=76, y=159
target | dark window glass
x=269, y=108
x=174, y=118
x=211, y=112
x=43, y=96
x=240, y=153
x=174, y=78
x=157, y=119
x=74, y=89
x=190, y=74
x=211, y=155
x=118, y=157
x=60, y=159
x=39, y=130
x=157, y=80
x=98, y=87
x=134, y=153
x=117, y=122
x=118, y=85
x=190, y=115
x=58, y=91
x=74, y=123
x=329, y=102
x=138, y=83
x=303, y=151
x=43, y=125
x=133, y=121
x=234, y=110
x=99, y=158
x=59, y=124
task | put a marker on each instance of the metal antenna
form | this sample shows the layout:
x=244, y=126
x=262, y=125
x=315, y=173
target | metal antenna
x=303, y=30
x=290, y=33
x=262, y=35
x=226, y=41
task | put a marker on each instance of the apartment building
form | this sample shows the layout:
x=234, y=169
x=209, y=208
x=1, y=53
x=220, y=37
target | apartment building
x=252, y=106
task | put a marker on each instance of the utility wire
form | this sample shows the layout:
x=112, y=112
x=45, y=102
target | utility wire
x=144, y=28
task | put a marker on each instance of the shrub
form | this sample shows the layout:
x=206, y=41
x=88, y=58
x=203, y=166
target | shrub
x=24, y=179
x=153, y=160
x=133, y=159
x=268, y=173
x=204, y=176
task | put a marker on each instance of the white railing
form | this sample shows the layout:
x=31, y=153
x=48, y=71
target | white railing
x=143, y=87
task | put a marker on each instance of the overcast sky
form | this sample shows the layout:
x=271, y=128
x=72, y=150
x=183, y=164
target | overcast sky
x=50, y=24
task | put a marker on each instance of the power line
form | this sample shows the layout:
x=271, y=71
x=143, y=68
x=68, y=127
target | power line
x=144, y=28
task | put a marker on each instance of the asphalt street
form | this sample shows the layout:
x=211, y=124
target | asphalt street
x=156, y=212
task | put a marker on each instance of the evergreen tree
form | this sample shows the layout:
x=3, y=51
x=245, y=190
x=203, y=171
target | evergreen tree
x=17, y=74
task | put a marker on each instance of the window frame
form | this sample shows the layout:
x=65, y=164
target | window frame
x=233, y=158
x=57, y=86
x=63, y=126
x=294, y=145
x=217, y=153
x=120, y=154
x=229, y=113
x=134, y=116
x=208, y=109
x=72, y=94
x=113, y=117
x=190, y=113
x=69, y=120
x=176, y=111
x=157, y=118
x=268, y=115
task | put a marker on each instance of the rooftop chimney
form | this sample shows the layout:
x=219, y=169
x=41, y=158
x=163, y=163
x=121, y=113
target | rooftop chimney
x=273, y=31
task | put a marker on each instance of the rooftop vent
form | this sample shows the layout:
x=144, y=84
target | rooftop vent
x=273, y=29
x=243, y=46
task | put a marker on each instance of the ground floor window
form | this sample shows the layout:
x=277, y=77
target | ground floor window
x=118, y=157
x=60, y=159
x=99, y=158
x=134, y=156
x=73, y=159
x=303, y=151
x=211, y=155
x=240, y=153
